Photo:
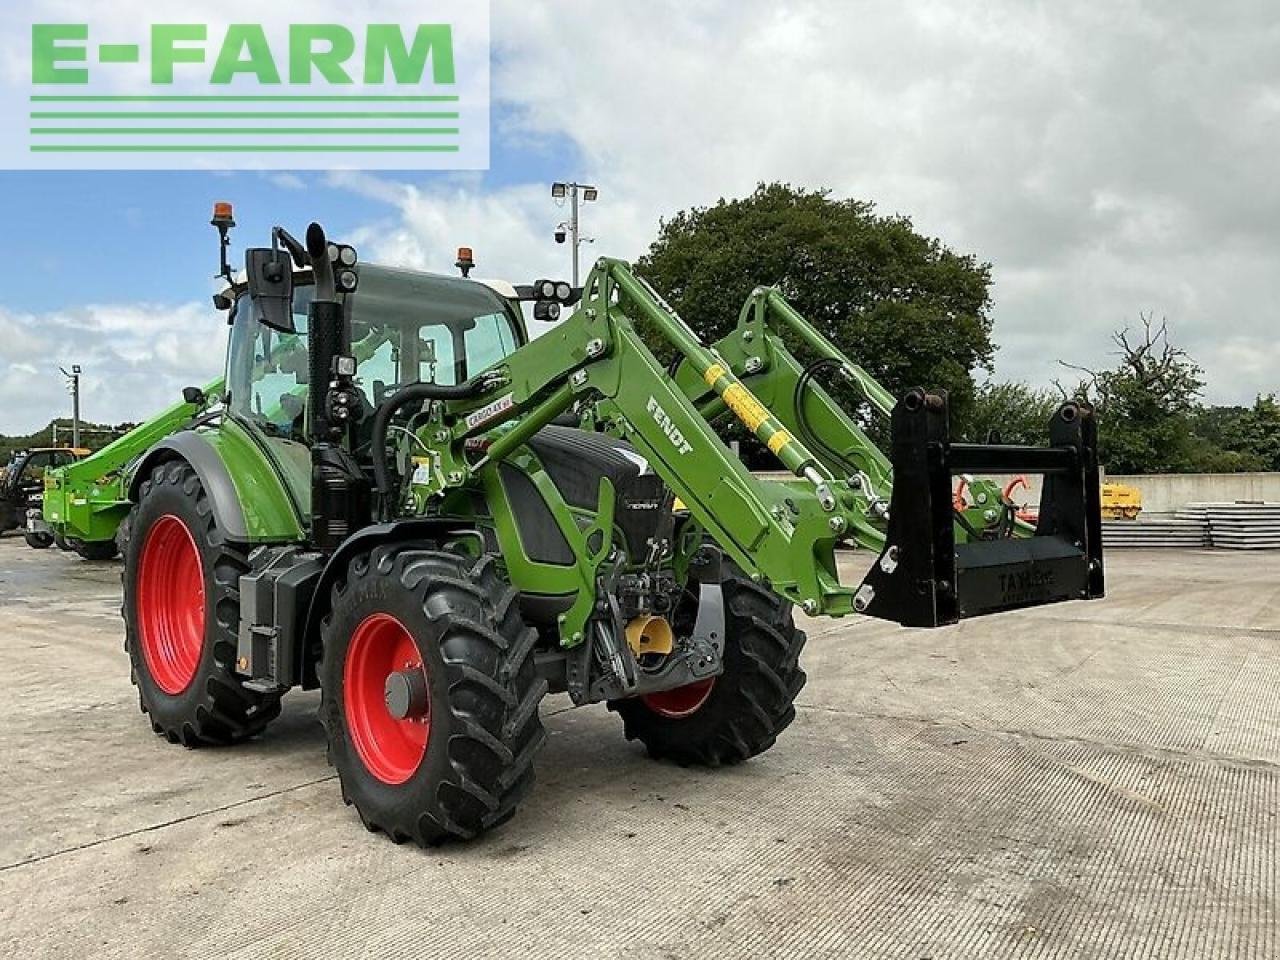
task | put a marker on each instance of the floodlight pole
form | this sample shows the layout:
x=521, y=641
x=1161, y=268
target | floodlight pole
x=73, y=380
x=573, y=231
x=589, y=193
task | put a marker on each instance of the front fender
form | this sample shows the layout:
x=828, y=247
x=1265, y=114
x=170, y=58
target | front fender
x=251, y=501
x=399, y=531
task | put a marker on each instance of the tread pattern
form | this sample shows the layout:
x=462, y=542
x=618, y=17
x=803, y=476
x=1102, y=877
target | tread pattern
x=752, y=701
x=492, y=725
x=223, y=711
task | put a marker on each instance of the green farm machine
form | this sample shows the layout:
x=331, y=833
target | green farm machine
x=405, y=502
x=85, y=500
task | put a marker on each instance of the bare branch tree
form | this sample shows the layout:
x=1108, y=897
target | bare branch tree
x=1147, y=358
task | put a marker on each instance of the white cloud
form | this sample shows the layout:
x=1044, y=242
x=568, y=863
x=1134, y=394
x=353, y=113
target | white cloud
x=1107, y=158
x=286, y=181
x=136, y=358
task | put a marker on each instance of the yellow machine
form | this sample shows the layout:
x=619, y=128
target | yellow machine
x=1121, y=501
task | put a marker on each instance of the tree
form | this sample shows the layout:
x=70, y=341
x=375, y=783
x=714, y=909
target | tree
x=94, y=436
x=1145, y=403
x=1015, y=412
x=906, y=307
x=1245, y=438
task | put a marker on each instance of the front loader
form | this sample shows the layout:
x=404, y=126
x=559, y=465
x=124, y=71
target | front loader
x=406, y=503
x=84, y=501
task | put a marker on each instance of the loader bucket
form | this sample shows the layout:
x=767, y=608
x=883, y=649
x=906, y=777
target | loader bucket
x=925, y=578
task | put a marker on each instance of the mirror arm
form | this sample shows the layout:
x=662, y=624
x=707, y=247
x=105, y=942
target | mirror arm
x=296, y=250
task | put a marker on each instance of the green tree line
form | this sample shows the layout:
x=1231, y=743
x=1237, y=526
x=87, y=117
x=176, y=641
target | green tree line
x=913, y=311
x=93, y=436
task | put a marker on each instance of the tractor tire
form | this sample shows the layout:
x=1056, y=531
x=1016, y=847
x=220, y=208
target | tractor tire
x=61, y=542
x=457, y=755
x=738, y=714
x=38, y=541
x=181, y=612
x=96, y=551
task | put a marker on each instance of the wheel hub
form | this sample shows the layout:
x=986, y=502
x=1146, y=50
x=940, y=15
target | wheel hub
x=171, y=604
x=386, y=699
x=682, y=701
x=405, y=693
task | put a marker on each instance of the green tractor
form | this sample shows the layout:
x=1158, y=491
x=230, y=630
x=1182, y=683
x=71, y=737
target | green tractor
x=405, y=502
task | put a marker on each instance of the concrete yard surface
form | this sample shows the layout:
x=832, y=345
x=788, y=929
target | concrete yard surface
x=1084, y=780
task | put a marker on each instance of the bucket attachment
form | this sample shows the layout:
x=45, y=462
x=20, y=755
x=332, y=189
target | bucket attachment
x=924, y=578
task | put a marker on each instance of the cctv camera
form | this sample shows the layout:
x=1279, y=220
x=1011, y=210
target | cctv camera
x=560, y=236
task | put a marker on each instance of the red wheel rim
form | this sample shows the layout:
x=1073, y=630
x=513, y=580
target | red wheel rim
x=390, y=748
x=680, y=702
x=171, y=604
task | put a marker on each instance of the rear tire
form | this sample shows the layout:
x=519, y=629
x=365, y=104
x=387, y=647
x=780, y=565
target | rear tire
x=741, y=712
x=96, y=551
x=181, y=612
x=38, y=541
x=462, y=758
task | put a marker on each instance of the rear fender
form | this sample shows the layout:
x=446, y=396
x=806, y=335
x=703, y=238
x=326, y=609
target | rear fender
x=249, y=498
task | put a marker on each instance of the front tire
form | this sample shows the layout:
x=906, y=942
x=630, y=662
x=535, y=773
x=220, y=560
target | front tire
x=429, y=693
x=181, y=612
x=739, y=714
x=38, y=541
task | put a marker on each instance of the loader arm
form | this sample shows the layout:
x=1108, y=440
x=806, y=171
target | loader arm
x=87, y=500
x=758, y=351
x=781, y=532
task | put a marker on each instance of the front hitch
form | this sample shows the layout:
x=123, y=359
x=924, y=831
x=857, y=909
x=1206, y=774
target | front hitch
x=924, y=578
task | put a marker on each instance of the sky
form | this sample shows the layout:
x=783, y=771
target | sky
x=1108, y=158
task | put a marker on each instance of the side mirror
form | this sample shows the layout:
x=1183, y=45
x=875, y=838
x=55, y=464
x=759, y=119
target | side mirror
x=271, y=286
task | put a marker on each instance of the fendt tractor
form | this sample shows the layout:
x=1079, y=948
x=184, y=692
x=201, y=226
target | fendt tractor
x=405, y=502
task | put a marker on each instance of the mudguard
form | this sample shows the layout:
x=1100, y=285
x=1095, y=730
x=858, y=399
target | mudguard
x=251, y=500
x=399, y=531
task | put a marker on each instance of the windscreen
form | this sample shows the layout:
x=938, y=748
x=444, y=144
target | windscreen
x=405, y=327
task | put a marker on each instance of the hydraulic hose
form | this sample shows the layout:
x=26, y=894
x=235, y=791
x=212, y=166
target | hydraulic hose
x=413, y=393
x=807, y=433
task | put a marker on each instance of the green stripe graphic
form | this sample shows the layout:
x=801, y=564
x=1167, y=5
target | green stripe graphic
x=264, y=98
x=243, y=148
x=238, y=131
x=118, y=53
x=239, y=115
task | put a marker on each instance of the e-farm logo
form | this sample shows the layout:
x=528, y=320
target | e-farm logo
x=256, y=95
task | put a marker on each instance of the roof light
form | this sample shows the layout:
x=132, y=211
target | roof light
x=466, y=261
x=223, y=214
x=563, y=291
x=590, y=194
x=558, y=190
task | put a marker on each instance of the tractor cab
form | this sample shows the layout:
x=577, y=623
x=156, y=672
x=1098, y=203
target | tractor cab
x=402, y=327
